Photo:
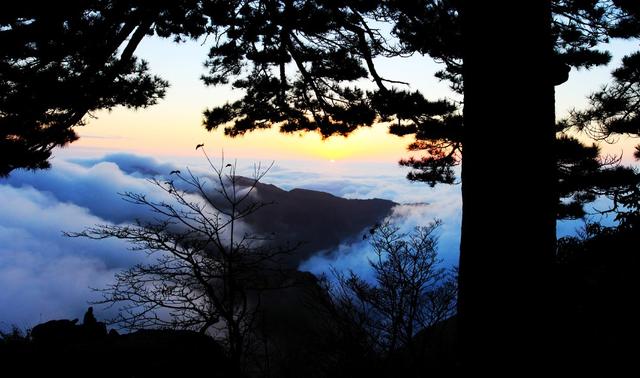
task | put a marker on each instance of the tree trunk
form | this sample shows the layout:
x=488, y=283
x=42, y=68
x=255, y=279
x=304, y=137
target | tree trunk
x=508, y=184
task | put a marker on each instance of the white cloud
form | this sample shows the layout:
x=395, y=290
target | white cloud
x=45, y=275
x=355, y=255
x=134, y=165
x=95, y=187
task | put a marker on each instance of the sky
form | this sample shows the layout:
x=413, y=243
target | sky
x=45, y=275
x=174, y=126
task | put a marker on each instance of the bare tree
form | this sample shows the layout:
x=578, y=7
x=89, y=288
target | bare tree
x=410, y=291
x=203, y=273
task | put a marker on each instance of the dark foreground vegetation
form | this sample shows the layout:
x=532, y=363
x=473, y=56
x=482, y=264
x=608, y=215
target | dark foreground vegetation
x=311, y=330
x=64, y=348
x=596, y=279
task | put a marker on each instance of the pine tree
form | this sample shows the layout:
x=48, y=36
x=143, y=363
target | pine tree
x=61, y=61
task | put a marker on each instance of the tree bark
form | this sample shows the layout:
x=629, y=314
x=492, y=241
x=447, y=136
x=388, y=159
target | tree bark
x=508, y=184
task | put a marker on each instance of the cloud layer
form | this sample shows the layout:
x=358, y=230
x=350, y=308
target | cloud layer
x=45, y=275
x=355, y=255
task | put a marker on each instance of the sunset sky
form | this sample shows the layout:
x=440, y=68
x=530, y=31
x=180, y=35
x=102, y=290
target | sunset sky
x=174, y=126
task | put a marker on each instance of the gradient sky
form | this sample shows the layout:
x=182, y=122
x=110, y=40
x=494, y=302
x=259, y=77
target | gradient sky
x=174, y=126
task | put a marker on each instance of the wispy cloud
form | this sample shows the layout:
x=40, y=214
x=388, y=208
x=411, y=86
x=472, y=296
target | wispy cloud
x=109, y=137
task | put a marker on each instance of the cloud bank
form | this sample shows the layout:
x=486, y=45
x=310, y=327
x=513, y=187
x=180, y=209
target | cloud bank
x=45, y=275
x=355, y=255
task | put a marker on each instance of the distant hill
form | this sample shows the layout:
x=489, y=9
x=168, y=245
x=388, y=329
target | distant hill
x=319, y=220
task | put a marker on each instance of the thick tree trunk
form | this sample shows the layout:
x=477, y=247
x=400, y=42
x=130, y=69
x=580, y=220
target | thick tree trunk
x=508, y=184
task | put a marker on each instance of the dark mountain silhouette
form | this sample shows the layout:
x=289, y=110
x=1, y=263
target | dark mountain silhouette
x=319, y=220
x=65, y=348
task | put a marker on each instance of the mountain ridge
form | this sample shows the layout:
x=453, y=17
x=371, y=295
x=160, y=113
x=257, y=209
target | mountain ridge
x=320, y=221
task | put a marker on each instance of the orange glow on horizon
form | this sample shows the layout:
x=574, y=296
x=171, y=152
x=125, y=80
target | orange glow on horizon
x=159, y=132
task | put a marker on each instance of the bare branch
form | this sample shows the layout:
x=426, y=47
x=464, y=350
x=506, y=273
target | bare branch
x=199, y=274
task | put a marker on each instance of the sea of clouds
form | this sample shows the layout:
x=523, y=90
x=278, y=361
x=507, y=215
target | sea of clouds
x=45, y=275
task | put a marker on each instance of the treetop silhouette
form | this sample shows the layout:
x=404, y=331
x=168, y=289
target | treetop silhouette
x=299, y=62
x=59, y=62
